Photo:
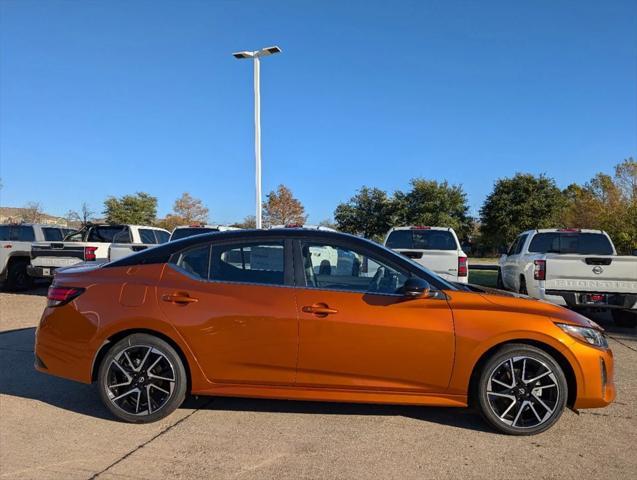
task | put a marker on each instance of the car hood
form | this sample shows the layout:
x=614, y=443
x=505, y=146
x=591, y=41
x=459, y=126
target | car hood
x=519, y=303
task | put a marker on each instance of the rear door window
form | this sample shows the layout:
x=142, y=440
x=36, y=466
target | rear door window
x=147, y=236
x=520, y=244
x=422, y=240
x=110, y=234
x=254, y=262
x=162, y=237
x=25, y=234
x=53, y=234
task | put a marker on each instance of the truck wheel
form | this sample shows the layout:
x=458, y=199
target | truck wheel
x=523, y=289
x=625, y=318
x=17, y=277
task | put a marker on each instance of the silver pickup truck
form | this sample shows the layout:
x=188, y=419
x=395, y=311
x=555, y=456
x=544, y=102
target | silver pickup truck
x=573, y=267
x=94, y=243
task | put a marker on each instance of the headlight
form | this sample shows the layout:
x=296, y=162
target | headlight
x=584, y=334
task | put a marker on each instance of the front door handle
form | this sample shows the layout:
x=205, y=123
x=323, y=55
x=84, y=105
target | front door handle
x=180, y=298
x=319, y=309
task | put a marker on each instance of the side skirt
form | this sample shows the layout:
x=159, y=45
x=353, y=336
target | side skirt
x=334, y=395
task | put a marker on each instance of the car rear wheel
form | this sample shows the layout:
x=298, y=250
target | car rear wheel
x=17, y=276
x=522, y=390
x=142, y=379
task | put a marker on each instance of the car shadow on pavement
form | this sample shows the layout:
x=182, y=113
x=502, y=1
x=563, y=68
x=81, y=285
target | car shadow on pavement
x=454, y=417
x=38, y=290
x=19, y=378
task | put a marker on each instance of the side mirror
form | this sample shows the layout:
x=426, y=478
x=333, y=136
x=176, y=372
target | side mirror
x=635, y=252
x=416, y=288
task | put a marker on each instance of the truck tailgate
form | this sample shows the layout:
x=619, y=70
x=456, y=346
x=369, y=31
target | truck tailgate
x=63, y=254
x=591, y=273
x=442, y=262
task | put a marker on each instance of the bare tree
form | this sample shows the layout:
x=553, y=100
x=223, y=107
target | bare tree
x=32, y=212
x=83, y=217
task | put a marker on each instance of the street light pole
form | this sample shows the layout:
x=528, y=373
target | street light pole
x=255, y=56
x=257, y=139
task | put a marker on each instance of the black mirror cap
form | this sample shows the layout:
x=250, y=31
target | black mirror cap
x=635, y=252
x=416, y=287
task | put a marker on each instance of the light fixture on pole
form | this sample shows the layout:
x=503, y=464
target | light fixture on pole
x=255, y=56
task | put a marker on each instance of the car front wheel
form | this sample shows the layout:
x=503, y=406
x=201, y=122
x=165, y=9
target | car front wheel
x=522, y=390
x=142, y=379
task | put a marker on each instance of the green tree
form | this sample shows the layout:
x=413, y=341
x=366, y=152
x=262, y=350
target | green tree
x=140, y=208
x=369, y=213
x=281, y=208
x=520, y=203
x=606, y=203
x=435, y=204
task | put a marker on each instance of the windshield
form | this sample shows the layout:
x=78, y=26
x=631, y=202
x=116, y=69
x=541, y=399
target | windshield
x=422, y=240
x=189, y=232
x=571, y=242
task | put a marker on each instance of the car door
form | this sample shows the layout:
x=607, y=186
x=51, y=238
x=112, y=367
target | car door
x=234, y=305
x=357, y=332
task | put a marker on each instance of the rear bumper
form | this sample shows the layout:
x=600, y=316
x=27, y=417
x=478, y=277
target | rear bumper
x=574, y=299
x=40, y=272
x=63, y=344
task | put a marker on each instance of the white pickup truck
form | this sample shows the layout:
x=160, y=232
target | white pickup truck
x=94, y=243
x=572, y=267
x=15, y=250
x=436, y=248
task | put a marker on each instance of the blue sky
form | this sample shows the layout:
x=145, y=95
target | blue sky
x=103, y=98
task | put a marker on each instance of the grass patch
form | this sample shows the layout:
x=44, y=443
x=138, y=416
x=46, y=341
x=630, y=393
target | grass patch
x=486, y=278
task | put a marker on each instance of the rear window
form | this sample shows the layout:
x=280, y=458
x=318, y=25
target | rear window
x=110, y=234
x=162, y=237
x=17, y=233
x=579, y=243
x=422, y=240
x=189, y=232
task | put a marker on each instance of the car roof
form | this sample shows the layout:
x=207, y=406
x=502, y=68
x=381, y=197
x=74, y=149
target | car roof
x=418, y=227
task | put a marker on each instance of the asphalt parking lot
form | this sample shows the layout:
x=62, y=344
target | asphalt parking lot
x=56, y=429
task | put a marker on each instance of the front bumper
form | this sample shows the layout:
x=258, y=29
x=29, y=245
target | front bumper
x=596, y=385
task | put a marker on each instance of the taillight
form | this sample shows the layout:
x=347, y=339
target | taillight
x=89, y=254
x=463, y=270
x=57, y=296
x=539, y=269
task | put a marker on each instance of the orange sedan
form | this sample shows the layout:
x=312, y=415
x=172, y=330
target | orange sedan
x=314, y=315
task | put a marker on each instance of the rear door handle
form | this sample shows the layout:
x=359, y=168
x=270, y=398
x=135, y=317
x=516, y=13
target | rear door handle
x=180, y=298
x=319, y=309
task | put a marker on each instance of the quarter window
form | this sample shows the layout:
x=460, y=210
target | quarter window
x=337, y=268
x=195, y=261
x=248, y=263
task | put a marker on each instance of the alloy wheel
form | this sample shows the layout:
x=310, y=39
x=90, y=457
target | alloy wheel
x=140, y=380
x=523, y=392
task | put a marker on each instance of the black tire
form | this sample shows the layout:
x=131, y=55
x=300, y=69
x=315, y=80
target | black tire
x=17, y=276
x=499, y=284
x=523, y=289
x=514, y=409
x=625, y=318
x=155, y=368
